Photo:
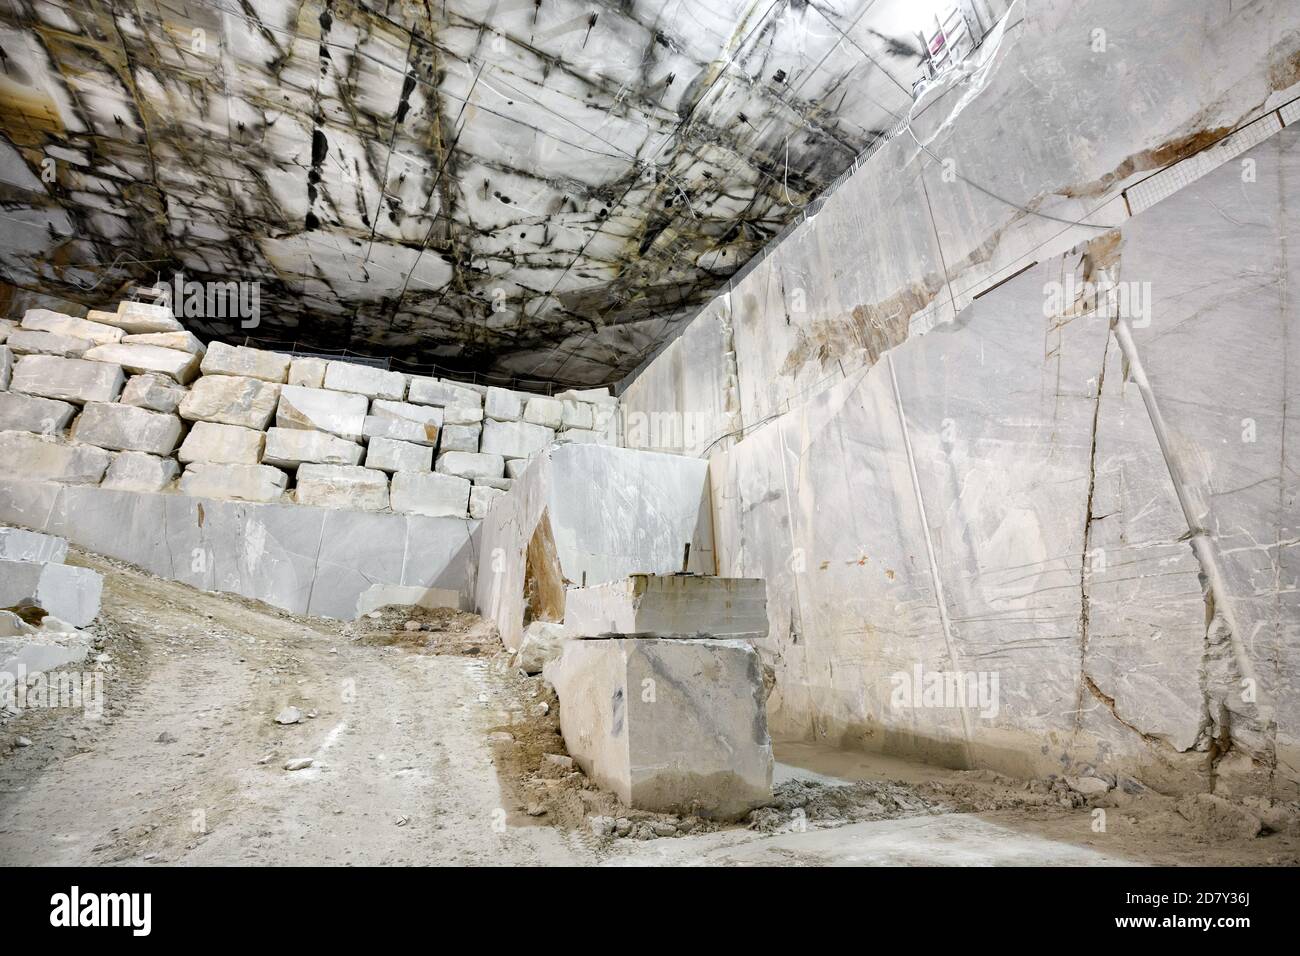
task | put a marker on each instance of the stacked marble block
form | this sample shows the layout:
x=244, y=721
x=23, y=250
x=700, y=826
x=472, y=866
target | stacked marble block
x=132, y=398
x=32, y=572
x=662, y=695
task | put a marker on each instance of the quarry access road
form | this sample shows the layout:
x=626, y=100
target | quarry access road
x=187, y=764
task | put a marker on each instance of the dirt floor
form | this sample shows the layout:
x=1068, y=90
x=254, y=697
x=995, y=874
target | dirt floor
x=426, y=747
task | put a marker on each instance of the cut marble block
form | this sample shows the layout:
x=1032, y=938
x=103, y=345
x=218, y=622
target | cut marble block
x=138, y=359
x=434, y=391
x=127, y=428
x=181, y=341
x=430, y=493
x=223, y=359
x=514, y=439
x=670, y=605
x=424, y=414
x=307, y=372
x=673, y=726
x=515, y=466
x=401, y=429
x=290, y=447
x=463, y=438
x=580, y=436
x=157, y=393
x=29, y=342
x=27, y=413
x=314, y=561
x=501, y=484
x=70, y=594
x=224, y=444
x=462, y=415
x=389, y=454
x=481, y=498
x=42, y=458
x=26, y=650
x=589, y=513
x=365, y=380
x=543, y=411
x=44, y=320
x=238, y=482
x=595, y=395
x=465, y=464
x=342, y=486
x=387, y=595
x=137, y=317
x=231, y=400
x=19, y=544
x=6, y=363
x=137, y=471
x=340, y=413
x=577, y=415
x=71, y=380
x=503, y=404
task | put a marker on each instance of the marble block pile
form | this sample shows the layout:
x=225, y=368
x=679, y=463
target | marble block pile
x=33, y=575
x=130, y=400
x=661, y=701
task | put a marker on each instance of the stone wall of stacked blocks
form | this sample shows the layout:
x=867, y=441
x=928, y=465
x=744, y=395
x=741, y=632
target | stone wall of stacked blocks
x=130, y=400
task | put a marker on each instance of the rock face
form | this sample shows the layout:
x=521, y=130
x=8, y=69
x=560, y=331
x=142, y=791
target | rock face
x=342, y=486
x=223, y=444
x=138, y=359
x=127, y=428
x=41, y=458
x=429, y=493
x=290, y=447
x=365, y=380
x=339, y=413
x=514, y=439
x=231, y=400
x=70, y=594
x=26, y=413
x=238, y=482
x=136, y=471
x=6, y=364
x=675, y=726
x=223, y=359
x=671, y=605
x=72, y=380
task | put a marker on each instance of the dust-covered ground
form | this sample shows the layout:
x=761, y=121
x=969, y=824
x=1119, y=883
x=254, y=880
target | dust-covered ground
x=419, y=744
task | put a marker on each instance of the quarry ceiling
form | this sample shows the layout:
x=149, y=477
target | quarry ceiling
x=539, y=188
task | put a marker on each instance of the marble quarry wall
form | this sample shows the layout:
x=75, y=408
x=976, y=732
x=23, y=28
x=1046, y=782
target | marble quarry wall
x=300, y=481
x=1003, y=423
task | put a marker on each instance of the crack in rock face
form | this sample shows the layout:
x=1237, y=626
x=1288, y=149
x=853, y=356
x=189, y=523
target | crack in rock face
x=540, y=188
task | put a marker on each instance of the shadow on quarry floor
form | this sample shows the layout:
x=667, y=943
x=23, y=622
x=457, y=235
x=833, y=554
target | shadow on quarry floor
x=426, y=747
